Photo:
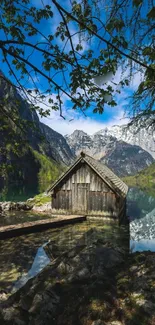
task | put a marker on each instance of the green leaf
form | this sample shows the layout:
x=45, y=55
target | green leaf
x=79, y=47
x=151, y=13
x=126, y=82
x=112, y=103
x=141, y=87
x=137, y=3
x=110, y=26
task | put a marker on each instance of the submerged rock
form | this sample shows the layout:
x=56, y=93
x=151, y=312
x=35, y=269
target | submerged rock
x=3, y=296
x=94, y=283
x=41, y=298
x=98, y=322
x=115, y=322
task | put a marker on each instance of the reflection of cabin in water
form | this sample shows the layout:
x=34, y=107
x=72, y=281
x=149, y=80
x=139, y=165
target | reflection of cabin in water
x=90, y=188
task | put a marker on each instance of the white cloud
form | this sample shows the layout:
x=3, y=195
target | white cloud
x=137, y=79
x=76, y=121
x=87, y=124
x=76, y=40
x=65, y=45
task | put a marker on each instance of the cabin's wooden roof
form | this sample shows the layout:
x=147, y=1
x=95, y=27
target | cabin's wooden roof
x=107, y=175
x=114, y=182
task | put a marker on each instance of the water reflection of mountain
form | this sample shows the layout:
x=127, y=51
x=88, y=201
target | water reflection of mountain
x=139, y=203
x=141, y=209
x=143, y=228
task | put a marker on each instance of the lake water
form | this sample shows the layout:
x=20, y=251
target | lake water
x=141, y=209
x=23, y=257
x=15, y=217
x=18, y=192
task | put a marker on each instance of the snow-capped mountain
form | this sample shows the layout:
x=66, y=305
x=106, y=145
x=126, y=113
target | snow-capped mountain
x=133, y=134
x=96, y=145
x=126, y=159
x=122, y=157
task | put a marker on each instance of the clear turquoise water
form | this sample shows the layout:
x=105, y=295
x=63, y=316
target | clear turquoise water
x=12, y=218
x=18, y=192
x=141, y=209
x=23, y=257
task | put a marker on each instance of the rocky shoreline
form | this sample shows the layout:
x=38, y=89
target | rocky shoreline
x=14, y=206
x=92, y=283
x=24, y=206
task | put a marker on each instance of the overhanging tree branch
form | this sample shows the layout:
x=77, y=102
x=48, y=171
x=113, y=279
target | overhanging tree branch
x=59, y=88
x=72, y=70
x=8, y=42
x=82, y=24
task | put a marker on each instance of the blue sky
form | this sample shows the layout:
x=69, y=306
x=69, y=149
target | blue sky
x=90, y=123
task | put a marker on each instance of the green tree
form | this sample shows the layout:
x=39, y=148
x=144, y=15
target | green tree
x=123, y=34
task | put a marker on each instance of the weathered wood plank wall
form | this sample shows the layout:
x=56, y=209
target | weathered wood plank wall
x=83, y=191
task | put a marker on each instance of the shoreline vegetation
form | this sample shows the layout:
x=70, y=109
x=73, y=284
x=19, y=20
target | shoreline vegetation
x=144, y=180
x=39, y=203
x=23, y=178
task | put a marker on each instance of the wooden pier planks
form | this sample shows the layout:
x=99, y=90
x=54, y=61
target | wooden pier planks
x=37, y=226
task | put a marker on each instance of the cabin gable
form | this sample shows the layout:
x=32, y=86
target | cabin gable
x=83, y=174
x=83, y=191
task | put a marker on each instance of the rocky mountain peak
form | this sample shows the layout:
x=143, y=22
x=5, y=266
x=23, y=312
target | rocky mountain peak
x=78, y=141
x=79, y=133
x=58, y=145
x=142, y=135
x=108, y=146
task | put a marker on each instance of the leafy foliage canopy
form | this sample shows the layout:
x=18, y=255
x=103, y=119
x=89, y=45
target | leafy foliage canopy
x=82, y=43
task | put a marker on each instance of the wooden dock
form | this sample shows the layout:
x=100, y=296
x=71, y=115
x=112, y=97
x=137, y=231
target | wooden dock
x=38, y=226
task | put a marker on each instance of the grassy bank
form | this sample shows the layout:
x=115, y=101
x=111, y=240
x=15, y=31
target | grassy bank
x=40, y=199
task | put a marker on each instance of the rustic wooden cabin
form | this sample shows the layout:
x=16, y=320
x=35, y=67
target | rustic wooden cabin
x=89, y=188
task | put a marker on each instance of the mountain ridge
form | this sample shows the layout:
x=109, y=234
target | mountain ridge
x=122, y=157
x=113, y=146
x=142, y=135
x=22, y=136
x=39, y=136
